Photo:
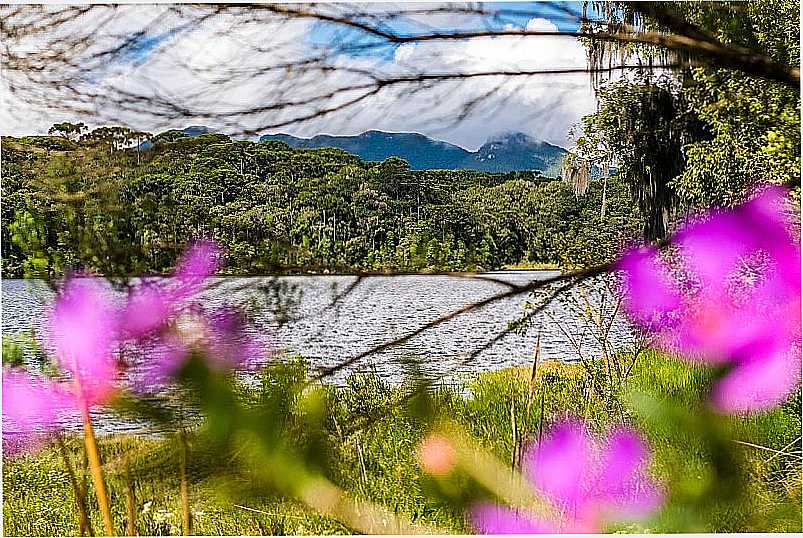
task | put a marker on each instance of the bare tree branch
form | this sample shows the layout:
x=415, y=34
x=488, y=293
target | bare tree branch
x=59, y=56
x=573, y=276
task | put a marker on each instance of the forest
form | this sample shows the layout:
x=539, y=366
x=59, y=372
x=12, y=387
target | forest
x=100, y=202
x=689, y=421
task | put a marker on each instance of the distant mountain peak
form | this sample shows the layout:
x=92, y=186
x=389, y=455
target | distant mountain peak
x=504, y=152
x=514, y=137
x=195, y=130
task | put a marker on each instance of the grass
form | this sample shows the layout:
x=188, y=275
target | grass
x=531, y=266
x=661, y=399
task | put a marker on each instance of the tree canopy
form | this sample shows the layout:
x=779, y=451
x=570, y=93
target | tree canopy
x=105, y=206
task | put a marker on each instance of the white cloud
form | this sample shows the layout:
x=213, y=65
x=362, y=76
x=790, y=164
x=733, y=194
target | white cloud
x=541, y=25
x=544, y=106
x=216, y=66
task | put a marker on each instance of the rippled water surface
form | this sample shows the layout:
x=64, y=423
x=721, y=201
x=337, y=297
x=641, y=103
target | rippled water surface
x=375, y=310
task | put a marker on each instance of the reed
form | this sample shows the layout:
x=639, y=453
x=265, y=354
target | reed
x=84, y=524
x=382, y=477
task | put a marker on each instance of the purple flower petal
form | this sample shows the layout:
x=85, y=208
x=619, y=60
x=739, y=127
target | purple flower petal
x=83, y=329
x=765, y=214
x=705, y=331
x=624, y=454
x=32, y=407
x=586, y=481
x=200, y=261
x=714, y=246
x=623, y=488
x=228, y=343
x=758, y=382
x=490, y=518
x=747, y=310
x=161, y=358
x=147, y=310
x=560, y=465
x=650, y=296
x=150, y=306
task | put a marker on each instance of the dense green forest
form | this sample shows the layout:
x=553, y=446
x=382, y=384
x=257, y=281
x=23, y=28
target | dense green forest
x=100, y=202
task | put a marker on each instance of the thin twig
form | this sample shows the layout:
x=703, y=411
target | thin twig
x=776, y=452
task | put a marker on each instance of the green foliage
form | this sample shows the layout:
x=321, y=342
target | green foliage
x=726, y=131
x=755, y=123
x=53, y=143
x=714, y=481
x=70, y=131
x=108, y=207
x=643, y=125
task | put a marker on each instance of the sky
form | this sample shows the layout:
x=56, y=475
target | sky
x=211, y=67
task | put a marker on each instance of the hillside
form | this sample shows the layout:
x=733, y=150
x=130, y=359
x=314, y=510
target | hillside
x=505, y=153
x=279, y=209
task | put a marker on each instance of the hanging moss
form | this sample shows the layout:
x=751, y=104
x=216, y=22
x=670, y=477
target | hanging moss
x=644, y=125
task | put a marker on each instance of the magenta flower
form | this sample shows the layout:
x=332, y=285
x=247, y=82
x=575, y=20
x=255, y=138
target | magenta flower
x=166, y=329
x=86, y=330
x=83, y=330
x=32, y=408
x=221, y=336
x=228, y=342
x=588, y=481
x=157, y=361
x=734, y=299
x=200, y=261
x=147, y=310
x=151, y=306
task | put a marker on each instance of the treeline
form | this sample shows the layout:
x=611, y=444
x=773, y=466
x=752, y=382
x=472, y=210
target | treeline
x=74, y=203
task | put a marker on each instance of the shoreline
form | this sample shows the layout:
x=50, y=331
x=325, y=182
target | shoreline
x=326, y=272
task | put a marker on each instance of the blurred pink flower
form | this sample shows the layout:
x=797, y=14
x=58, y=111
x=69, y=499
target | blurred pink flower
x=221, y=335
x=166, y=329
x=436, y=455
x=158, y=360
x=86, y=330
x=752, y=324
x=32, y=407
x=228, y=342
x=150, y=306
x=83, y=330
x=200, y=261
x=588, y=481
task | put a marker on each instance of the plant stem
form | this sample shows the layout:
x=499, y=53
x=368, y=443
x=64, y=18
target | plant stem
x=186, y=519
x=84, y=525
x=84, y=485
x=96, y=468
x=514, y=432
x=531, y=386
x=131, y=501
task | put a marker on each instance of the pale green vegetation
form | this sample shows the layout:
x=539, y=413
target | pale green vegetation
x=374, y=430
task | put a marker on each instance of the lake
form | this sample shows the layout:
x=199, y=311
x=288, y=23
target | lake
x=376, y=310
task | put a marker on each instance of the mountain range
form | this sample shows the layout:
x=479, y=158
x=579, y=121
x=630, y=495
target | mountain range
x=508, y=152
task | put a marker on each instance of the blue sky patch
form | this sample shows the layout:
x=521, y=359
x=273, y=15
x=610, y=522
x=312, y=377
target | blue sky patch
x=139, y=46
x=349, y=41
